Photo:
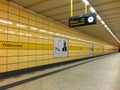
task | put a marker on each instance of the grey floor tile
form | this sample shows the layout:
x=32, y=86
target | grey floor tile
x=102, y=73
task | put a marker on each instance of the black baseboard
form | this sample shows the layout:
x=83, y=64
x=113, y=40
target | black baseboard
x=43, y=67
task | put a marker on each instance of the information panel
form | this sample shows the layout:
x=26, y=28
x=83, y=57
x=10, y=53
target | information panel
x=91, y=48
x=85, y=19
x=60, y=47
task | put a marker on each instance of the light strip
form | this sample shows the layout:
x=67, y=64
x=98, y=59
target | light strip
x=86, y=2
x=92, y=10
x=99, y=18
x=102, y=22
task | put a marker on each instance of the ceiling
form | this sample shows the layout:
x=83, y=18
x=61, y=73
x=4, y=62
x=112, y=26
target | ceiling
x=59, y=10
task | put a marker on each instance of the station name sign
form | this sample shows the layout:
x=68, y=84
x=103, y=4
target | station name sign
x=85, y=19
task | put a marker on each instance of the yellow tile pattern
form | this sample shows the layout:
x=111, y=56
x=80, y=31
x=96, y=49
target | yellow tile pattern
x=27, y=40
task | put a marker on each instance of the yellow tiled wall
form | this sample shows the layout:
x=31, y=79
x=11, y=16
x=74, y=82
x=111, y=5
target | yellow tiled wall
x=27, y=39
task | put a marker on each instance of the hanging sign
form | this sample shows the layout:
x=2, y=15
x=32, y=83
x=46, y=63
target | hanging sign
x=85, y=19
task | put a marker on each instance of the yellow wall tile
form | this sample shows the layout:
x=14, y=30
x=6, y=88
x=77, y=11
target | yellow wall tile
x=12, y=52
x=2, y=68
x=11, y=67
x=23, y=39
x=3, y=37
x=23, y=52
x=33, y=34
x=31, y=64
x=3, y=52
x=32, y=23
x=14, y=10
x=31, y=52
x=13, y=38
x=23, y=65
x=13, y=31
x=31, y=58
x=23, y=13
x=39, y=52
x=12, y=60
x=4, y=7
x=3, y=29
x=39, y=57
x=23, y=20
x=32, y=16
x=38, y=63
x=39, y=40
x=3, y=60
x=13, y=17
x=23, y=58
x=32, y=40
x=13, y=25
x=4, y=14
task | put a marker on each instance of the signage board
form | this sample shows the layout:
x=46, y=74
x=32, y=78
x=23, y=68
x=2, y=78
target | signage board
x=60, y=47
x=91, y=48
x=85, y=19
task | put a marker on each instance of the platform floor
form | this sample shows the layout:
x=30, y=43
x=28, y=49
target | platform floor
x=100, y=73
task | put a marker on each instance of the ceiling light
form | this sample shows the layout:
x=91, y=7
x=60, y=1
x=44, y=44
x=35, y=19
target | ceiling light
x=105, y=26
x=98, y=17
x=86, y=2
x=92, y=10
x=102, y=22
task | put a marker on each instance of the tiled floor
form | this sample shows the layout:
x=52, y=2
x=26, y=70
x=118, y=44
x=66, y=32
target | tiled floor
x=101, y=73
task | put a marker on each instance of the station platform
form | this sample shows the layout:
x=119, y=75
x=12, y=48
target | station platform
x=99, y=73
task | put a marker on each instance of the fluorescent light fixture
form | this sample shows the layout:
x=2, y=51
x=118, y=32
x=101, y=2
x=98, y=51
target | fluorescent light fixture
x=92, y=10
x=113, y=35
x=103, y=22
x=5, y=21
x=86, y=2
x=108, y=28
x=98, y=17
x=20, y=25
x=105, y=26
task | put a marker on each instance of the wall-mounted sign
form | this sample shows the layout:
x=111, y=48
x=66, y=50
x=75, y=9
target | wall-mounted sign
x=60, y=47
x=85, y=19
x=91, y=48
x=102, y=49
